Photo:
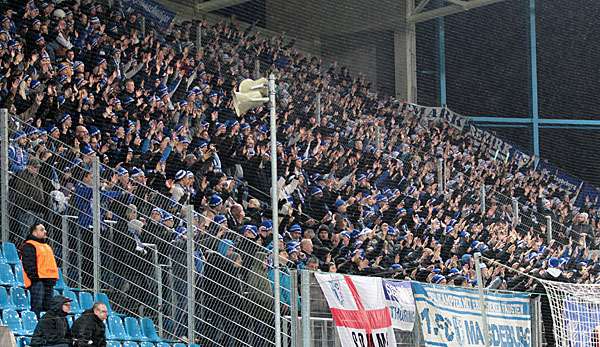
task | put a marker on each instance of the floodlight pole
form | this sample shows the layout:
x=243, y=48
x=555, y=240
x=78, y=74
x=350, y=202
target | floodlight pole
x=275, y=208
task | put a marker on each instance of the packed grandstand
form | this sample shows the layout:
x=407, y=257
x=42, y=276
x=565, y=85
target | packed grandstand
x=358, y=183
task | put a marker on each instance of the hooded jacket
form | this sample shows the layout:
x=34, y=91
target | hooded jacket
x=53, y=328
x=89, y=327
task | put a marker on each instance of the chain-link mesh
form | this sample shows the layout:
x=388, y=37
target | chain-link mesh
x=153, y=102
x=143, y=250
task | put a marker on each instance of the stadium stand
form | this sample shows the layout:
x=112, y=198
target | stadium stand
x=359, y=187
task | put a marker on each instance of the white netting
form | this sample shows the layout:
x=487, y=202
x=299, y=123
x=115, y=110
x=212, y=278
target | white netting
x=575, y=313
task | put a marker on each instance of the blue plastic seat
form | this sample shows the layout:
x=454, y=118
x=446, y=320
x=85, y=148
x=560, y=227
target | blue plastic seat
x=2, y=258
x=193, y=345
x=130, y=344
x=6, y=276
x=20, y=298
x=75, y=307
x=5, y=302
x=133, y=329
x=19, y=275
x=10, y=253
x=86, y=300
x=30, y=321
x=163, y=344
x=117, y=330
x=146, y=344
x=178, y=344
x=13, y=321
x=113, y=344
x=60, y=282
x=107, y=332
x=149, y=329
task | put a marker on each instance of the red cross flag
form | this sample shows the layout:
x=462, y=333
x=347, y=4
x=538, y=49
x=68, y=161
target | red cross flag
x=359, y=310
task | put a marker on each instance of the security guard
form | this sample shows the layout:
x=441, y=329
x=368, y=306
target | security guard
x=40, y=270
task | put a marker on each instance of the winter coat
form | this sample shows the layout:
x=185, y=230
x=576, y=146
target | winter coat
x=89, y=327
x=53, y=328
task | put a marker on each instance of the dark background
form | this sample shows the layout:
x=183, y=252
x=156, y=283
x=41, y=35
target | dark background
x=487, y=69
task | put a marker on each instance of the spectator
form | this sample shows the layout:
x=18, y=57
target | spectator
x=27, y=195
x=53, y=329
x=89, y=329
x=17, y=152
x=40, y=270
x=159, y=110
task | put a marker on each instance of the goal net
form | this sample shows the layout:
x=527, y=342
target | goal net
x=575, y=313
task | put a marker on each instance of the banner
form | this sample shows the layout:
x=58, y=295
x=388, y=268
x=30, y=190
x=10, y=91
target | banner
x=495, y=146
x=399, y=298
x=451, y=316
x=358, y=308
x=152, y=10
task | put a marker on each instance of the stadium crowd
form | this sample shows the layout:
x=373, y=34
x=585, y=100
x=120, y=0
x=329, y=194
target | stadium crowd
x=358, y=186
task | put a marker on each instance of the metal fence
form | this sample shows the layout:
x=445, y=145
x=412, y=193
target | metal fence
x=152, y=256
x=543, y=224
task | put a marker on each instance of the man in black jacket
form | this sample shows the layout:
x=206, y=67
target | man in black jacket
x=89, y=327
x=53, y=329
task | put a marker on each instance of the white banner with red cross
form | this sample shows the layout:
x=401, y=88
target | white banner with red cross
x=359, y=310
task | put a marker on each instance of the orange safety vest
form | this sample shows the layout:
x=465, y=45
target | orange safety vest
x=46, y=264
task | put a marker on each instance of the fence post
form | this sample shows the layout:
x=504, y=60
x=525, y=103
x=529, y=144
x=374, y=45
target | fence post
x=143, y=26
x=199, y=36
x=79, y=260
x=189, y=219
x=294, y=307
x=440, y=175
x=171, y=284
x=65, y=252
x=4, y=143
x=96, y=214
x=482, y=200
x=305, y=306
x=536, y=324
x=275, y=209
x=318, y=108
x=515, y=208
x=159, y=289
x=548, y=228
x=482, y=304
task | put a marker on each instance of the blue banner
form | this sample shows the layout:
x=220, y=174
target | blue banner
x=451, y=316
x=399, y=298
x=153, y=11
